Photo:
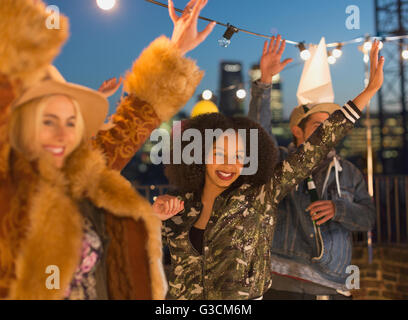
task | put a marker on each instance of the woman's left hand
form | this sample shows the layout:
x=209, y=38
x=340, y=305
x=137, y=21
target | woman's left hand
x=109, y=87
x=185, y=35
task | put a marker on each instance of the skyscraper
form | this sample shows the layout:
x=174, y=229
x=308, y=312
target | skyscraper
x=231, y=88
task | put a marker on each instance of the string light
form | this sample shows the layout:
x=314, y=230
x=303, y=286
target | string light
x=225, y=41
x=241, y=94
x=404, y=53
x=106, y=4
x=207, y=94
x=367, y=44
x=304, y=53
x=331, y=59
x=337, y=53
x=366, y=58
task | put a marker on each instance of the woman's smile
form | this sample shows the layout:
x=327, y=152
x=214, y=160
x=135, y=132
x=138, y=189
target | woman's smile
x=55, y=151
x=226, y=176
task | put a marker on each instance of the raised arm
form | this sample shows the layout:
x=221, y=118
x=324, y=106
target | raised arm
x=259, y=106
x=300, y=164
x=160, y=83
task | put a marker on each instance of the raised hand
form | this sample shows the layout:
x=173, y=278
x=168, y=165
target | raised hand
x=166, y=206
x=376, y=78
x=376, y=68
x=109, y=87
x=185, y=35
x=271, y=59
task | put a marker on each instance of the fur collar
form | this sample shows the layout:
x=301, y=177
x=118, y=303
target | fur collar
x=54, y=235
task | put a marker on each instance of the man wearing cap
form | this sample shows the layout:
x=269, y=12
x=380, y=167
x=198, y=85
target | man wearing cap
x=312, y=243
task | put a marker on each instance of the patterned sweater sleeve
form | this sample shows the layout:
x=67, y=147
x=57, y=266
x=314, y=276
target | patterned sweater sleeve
x=158, y=86
x=299, y=165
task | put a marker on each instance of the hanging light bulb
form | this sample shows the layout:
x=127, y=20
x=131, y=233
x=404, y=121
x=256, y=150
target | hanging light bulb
x=207, y=94
x=225, y=41
x=366, y=58
x=367, y=44
x=304, y=53
x=337, y=53
x=106, y=4
x=331, y=59
x=241, y=94
x=404, y=53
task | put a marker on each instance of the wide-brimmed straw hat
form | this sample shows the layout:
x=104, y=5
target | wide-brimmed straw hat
x=93, y=105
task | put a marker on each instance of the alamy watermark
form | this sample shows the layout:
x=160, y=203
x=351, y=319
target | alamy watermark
x=192, y=153
x=53, y=281
x=353, y=280
x=353, y=20
x=53, y=20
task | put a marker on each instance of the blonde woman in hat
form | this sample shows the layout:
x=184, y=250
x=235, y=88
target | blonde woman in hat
x=50, y=174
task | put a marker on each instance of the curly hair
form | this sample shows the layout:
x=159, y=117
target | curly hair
x=190, y=178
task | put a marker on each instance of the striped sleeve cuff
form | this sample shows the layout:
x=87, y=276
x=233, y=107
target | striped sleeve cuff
x=351, y=112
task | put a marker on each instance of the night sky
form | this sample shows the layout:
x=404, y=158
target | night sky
x=104, y=44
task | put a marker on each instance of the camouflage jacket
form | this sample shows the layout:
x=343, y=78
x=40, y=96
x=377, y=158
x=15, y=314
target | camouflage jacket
x=236, y=257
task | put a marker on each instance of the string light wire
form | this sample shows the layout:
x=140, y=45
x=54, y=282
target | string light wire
x=295, y=43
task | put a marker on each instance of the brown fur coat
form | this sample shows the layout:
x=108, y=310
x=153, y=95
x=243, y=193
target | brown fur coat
x=54, y=235
x=159, y=84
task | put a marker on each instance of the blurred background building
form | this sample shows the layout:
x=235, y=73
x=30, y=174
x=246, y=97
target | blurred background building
x=231, y=88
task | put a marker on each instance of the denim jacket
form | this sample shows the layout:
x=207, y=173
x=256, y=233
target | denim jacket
x=294, y=238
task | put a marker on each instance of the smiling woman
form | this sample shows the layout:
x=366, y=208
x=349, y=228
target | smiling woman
x=57, y=181
x=58, y=127
x=62, y=179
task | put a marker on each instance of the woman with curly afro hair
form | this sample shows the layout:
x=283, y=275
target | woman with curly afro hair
x=219, y=223
x=191, y=177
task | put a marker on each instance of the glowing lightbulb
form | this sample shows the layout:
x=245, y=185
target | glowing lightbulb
x=366, y=58
x=207, y=94
x=368, y=45
x=241, y=94
x=305, y=54
x=106, y=4
x=337, y=53
x=331, y=60
x=405, y=54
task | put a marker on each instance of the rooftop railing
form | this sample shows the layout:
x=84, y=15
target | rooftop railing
x=391, y=201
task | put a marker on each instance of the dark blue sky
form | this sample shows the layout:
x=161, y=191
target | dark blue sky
x=104, y=44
